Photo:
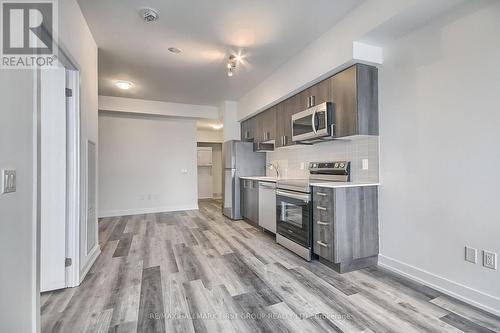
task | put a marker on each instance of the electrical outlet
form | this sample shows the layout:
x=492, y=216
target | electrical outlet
x=490, y=259
x=364, y=164
x=471, y=254
x=8, y=181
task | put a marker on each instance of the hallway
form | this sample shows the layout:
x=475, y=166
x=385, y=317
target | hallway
x=196, y=271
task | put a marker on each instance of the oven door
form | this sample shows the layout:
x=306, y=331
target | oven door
x=293, y=216
x=313, y=123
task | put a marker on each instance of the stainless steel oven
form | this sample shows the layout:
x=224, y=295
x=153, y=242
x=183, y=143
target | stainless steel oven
x=293, y=216
x=314, y=124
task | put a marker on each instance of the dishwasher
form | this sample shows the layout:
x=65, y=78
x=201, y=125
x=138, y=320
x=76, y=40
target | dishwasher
x=267, y=206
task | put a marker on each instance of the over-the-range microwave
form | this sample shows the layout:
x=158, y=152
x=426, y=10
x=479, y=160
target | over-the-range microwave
x=314, y=124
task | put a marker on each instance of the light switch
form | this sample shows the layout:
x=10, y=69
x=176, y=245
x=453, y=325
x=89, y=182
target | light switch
x=184, y=171
x=364, y=163
x=8, y=181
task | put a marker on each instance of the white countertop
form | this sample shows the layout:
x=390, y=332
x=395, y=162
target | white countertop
x=261, y=178
x=343, y=184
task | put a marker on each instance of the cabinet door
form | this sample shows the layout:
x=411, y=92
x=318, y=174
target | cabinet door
x=270, y=124
x=343, y=86
x=243, y=198
x=322, y=92
x=253, y=201
x=290, y=106
x=245, y=130
x=280, y=116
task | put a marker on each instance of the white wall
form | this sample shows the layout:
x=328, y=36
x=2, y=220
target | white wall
x=203, y=135
x=18, y=301
x=76, y=40
x=140, y=163
x=440, y=156
x=370, y=22
x=19, y=308
x=228, y=112
x=132, y=105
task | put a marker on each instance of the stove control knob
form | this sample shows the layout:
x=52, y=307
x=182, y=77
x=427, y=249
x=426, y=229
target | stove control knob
x=342, y=165
x=336, y=165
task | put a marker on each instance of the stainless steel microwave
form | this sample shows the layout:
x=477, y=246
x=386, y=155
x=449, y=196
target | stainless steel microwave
x=314, y=124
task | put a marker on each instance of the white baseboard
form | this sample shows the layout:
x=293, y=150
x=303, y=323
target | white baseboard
x=96, y=251
x=474, y=297
x=152, y=210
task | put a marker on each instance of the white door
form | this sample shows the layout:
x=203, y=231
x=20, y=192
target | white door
x=53, y=179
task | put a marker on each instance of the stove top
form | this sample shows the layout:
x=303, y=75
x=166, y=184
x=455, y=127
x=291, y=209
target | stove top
x=318, y=171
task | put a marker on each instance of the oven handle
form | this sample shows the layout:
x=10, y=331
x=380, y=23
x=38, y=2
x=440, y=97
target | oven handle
x=304, y=197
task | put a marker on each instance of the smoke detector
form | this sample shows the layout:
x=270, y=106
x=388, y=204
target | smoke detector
x=149, y=15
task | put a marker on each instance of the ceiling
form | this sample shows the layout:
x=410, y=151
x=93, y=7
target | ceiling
x=266, y=33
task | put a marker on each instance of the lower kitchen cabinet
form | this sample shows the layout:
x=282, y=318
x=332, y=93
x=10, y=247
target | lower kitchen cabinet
x=249, y=197
x=345, y=227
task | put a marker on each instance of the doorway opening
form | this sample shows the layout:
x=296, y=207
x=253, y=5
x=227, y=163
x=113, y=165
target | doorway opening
x=209, y=170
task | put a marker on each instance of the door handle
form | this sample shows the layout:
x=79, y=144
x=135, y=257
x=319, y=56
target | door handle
x=322, y=223
x=321, y=194
x=322, y=244
x=320, y=208
x=313, y=122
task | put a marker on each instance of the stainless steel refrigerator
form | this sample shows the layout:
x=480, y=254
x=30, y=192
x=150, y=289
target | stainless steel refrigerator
x=239, y=160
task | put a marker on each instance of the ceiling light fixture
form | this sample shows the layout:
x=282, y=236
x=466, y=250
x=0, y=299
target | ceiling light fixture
x=232, y=62
x=149, y=15
x=175, y=50
x=217, y=127
x=124, y=85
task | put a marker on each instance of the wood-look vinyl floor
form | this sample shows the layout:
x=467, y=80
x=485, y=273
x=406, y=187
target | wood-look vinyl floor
x=196, y=271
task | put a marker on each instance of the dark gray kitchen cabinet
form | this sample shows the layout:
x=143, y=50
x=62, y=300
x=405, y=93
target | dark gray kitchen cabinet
x=268, y=124
x=249, y=197
x=345, y=227
x=249, y=129
x=284, y=113
x=354, y=93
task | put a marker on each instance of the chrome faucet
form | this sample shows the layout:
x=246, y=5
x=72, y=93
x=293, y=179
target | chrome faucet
x=276, y=167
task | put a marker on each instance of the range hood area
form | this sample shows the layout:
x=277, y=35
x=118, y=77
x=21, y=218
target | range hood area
x=263, y=147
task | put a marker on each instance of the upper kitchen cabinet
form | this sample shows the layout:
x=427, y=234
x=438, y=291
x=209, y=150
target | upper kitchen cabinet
x=267, y=125
x=284, y=112
x=354, y=93
x=249, y=129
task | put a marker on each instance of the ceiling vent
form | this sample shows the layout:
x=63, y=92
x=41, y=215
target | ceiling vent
x=149, y=15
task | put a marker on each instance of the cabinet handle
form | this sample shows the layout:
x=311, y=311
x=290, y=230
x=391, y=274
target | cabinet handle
x=321, y=194
x=322, y=244
x=322, y=223
x=320, y=208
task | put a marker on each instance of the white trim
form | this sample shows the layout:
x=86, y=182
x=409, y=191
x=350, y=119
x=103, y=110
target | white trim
x=74, y=178
x=96, y=251
x=469, y=295
x=124, y=212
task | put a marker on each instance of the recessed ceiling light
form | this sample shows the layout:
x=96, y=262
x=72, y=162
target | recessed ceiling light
x=174, y=50
x=217, y=127
x=124, y=85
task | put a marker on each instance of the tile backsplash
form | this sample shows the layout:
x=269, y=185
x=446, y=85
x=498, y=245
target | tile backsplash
x=294, y=161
